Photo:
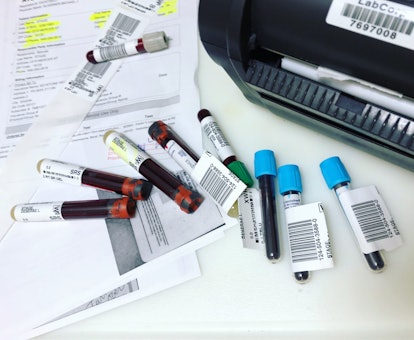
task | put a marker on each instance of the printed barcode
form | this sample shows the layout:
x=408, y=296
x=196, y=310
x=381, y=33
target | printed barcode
x=122, y=23
x=370, y=220
x=387, y=21
x=302, y=241
x=113, y=52
x=214, y=183
x=97, y=70
x=214, y=129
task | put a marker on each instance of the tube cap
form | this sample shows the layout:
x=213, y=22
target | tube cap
x=155, y=41
x=264, y=163
x=289, y=179
x=334, y=172
x=239, y=169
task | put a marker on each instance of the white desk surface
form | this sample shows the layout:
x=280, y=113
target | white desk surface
x=240, y=294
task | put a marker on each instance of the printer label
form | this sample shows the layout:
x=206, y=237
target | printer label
x=379, y=19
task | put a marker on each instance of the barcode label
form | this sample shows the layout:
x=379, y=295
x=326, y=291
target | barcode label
x=89, y=79
x=302, y=241
x=121, y=28
x=310, y=247
x=380, y=19
x=218, y=181
x=383, y=20
x=96, y=70
x=125, y=24
x=370, y=219
x=216, y=185
x=126, y=20
x=116, y=51
x=213, y=132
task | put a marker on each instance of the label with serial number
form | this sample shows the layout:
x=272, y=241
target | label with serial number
x=372, y=223
x=310, y=247
x=61, y=172
x=218, y=181
x=383, y=20
x=250, y=219
x=38, y=212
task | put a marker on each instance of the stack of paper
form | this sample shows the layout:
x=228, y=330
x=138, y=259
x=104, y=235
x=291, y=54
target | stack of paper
x=56, y=273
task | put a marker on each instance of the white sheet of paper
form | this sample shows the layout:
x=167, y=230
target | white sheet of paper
x=77, y=258
x=166, y=275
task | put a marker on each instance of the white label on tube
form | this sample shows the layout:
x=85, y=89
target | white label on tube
x=115, y=52
x=218, y=181
x=310, y=247
x=61, y=172
x=128, y=19
x=291, y=200
x=370, y=219
x=216, y=136
x=250, y=219
x=130, y=47
x=383, y=20
x=126, y=149
x=60, y=120
x=38, y=212
x=182, y=158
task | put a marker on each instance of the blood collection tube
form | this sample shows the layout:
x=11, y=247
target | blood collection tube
x=224, y=149
x=188, y=200
x=265, y=172
x=174, y=145
x=179, y=151
x=137, y=189
x=338, y=179
x=150, y=42
x=56, y=211
x=290, y=187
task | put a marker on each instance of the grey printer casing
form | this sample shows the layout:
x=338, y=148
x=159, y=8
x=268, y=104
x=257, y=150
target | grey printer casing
x=249, y=38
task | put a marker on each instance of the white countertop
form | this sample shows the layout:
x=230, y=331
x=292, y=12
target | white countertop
x=240, y=294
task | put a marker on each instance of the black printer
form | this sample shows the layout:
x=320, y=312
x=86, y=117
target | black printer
x=343, y=67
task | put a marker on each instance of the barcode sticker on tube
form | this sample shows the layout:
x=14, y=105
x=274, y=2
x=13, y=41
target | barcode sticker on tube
x=383, y=20
x=218, y=181
x=126, y=20
x=250, y=219
x=310, y=247
x=370, y=219
x=59, y=121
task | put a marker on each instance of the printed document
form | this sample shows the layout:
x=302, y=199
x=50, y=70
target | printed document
x=49, y=269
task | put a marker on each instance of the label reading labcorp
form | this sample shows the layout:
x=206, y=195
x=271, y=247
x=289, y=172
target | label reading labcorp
x=223, y=186
x=383, y=20
x=310, y=247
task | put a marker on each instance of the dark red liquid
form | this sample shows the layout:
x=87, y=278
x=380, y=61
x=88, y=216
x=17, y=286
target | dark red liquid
x=104, y=208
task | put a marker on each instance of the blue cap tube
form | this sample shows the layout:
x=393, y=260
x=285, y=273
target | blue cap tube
x=265, y=172
x=337, y=178
x=290, y=187
x=289, y=179
x=334, y=172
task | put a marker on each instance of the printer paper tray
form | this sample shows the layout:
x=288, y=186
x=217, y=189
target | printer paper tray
x=387, y=134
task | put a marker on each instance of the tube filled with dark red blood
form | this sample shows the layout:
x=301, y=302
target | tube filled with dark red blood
x=137, y=189
x=57, y=211
x=164, y=135
x=150, y=42
x=188, y=200
x=224, y=150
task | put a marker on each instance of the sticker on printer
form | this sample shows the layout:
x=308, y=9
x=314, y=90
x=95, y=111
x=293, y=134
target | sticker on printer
x=382, y=20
